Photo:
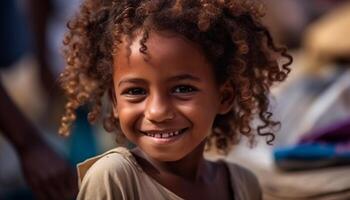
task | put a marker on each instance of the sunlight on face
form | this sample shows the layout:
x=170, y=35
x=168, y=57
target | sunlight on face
x=166, y=103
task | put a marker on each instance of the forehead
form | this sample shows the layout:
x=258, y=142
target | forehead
x=165, y=51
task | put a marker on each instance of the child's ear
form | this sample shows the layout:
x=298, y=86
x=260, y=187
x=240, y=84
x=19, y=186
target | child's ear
x=112, y=97
x=226, y=97
x=115, y=112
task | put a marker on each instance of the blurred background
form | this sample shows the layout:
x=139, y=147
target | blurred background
x=310, y=158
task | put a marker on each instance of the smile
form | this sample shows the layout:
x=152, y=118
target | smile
x=164, y=134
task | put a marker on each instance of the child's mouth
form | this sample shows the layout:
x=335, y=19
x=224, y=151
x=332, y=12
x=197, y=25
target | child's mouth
x=164, y=134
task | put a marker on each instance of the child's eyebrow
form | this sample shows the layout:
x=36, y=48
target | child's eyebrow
x=174, y=78
x=131, y=80
x=184, y=77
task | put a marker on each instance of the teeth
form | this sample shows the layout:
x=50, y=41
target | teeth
x=163, y=135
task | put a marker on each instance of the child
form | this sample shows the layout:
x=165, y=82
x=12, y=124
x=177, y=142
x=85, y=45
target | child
x=181, y=75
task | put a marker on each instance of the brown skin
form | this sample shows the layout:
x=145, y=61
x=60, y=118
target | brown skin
x=39, y=13
x=48, y=175
x=151, y=97
x=233, y=39
x=191, y=177
x=230, y=33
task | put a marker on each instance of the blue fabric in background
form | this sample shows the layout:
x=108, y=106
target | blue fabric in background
x=328, y=146
x=82, y=142
x=310, y=152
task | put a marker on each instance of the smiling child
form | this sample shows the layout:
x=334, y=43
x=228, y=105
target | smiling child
x=181, y=75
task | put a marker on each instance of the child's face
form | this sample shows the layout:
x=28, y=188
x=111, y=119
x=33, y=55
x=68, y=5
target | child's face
x=165, y=105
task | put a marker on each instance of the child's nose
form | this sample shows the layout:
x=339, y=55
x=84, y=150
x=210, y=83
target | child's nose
x=158, y=109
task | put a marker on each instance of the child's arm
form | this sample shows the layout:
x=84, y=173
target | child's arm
x=47, y=174
x=39, y=13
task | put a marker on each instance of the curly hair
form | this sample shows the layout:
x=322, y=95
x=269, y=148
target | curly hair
x=230, y=32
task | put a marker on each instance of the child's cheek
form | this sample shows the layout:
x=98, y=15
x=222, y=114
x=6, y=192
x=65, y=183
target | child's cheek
x=201, y=118
x=129, y=115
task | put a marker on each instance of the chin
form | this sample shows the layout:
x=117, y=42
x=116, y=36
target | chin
x=165, y=157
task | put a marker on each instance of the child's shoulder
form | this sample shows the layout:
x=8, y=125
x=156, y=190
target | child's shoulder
x=116, y=175
x=243, y=181
x=115, y=161
x=240, y=173
x=108, y=175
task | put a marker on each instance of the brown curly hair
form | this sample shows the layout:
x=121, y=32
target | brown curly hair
x=229, y=31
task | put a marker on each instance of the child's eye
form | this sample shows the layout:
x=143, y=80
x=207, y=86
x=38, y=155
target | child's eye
x=134, y=92
x=184, y=89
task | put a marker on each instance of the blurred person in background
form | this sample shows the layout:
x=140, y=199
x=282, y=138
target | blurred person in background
x=47, y=173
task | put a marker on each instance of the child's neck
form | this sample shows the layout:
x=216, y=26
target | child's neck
x=191, y=167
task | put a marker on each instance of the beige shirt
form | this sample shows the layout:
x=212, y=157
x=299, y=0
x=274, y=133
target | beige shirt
x=116, y=175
